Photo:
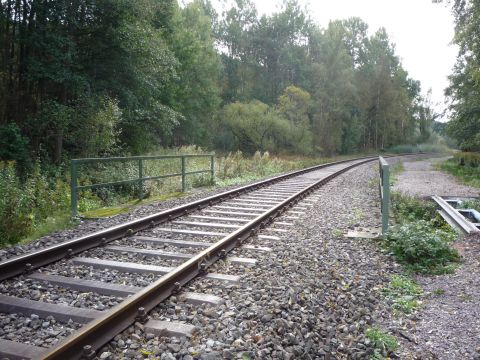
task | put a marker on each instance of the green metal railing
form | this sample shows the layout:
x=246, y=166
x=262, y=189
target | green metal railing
x=384, y=188
x=75, y=188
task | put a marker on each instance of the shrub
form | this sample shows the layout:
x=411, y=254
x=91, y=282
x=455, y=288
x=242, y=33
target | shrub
x=16, y=220
x=24, y=206
x=408, y=208
x=422, y=247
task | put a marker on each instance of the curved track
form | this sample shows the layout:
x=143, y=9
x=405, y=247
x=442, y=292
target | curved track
x=221, y=222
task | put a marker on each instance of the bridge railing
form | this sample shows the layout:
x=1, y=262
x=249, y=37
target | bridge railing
x=139, y=160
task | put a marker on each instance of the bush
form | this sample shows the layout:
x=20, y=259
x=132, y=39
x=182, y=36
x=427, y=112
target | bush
x=24, y=206
x=422, y=247
x=16, y=220
x=408, y=208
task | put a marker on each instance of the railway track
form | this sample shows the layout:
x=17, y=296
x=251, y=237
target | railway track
x=151, y=258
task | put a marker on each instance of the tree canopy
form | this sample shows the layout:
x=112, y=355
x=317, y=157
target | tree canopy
x=90, y=78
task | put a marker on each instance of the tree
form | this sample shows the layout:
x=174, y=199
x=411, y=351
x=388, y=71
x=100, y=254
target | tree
x=464, y=89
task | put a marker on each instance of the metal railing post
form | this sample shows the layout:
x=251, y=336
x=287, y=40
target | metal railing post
x=73, y=188
x=212, y=169
x=384, y=192
x=184, y=184
x=140, y=179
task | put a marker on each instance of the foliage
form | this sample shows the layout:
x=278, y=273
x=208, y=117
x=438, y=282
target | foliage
x=467, y=174
x=382, y=341
x=471, y=204
x=411, y=149
x=408, y=208
x=404, y=294
x=464, y=89
x=25, y=206
x=470, y=159
x=13, y=144
x=423, y=248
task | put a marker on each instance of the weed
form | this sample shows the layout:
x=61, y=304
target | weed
x=471, y=204
x=337, y=232
x=358, y=215
x=404, y=294
x=423, y=248
x=382, y=341
x=395, y=170
x=439, y=292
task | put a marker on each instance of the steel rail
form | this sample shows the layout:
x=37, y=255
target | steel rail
x=98, y=332
x=28, y=262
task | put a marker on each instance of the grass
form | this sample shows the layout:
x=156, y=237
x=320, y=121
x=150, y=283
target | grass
x=56, y=222
x=469, y=175
x=404, y=293
x=395, y=170
x=439, y=292
x=115, y=210
x=337, y=232
x=383, y=342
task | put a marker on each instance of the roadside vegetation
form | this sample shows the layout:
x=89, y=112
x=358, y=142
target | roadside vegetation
x=383, y=343
x=421, y=240
x=465, y=166
x=40, y=204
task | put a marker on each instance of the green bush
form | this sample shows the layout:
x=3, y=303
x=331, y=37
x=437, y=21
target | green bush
x=25, y=205
x=422, y=247
x=408, y=208
x=16, y=220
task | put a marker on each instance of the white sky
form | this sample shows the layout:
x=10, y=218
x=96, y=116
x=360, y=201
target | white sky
x=422, y=32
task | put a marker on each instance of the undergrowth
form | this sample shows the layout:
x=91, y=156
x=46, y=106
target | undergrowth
x=403, y=293
x=465, y=166
x=383, y=343
x=421, y=240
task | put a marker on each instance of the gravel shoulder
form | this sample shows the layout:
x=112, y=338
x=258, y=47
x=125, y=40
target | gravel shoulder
x=448, y=325
x=421, y=179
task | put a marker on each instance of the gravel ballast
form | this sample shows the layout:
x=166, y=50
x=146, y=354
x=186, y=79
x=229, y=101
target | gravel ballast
x=312, y=297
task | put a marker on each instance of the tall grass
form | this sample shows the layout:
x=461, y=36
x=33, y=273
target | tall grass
x=465, y=166
x=24, y=206
x=412, y=149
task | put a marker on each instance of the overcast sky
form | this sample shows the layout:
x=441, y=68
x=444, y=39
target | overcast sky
x=422, y=32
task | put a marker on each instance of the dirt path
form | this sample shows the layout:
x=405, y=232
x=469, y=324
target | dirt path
x=421, y=179
x=448, y=325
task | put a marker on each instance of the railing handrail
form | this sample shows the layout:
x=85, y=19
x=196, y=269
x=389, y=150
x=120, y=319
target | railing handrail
x=132, y=158
x=74, y=187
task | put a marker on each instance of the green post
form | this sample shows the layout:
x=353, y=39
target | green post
x=384, y=193
x=212, y=168
x=140, y=179
x=184, y=184
x=73, y=187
